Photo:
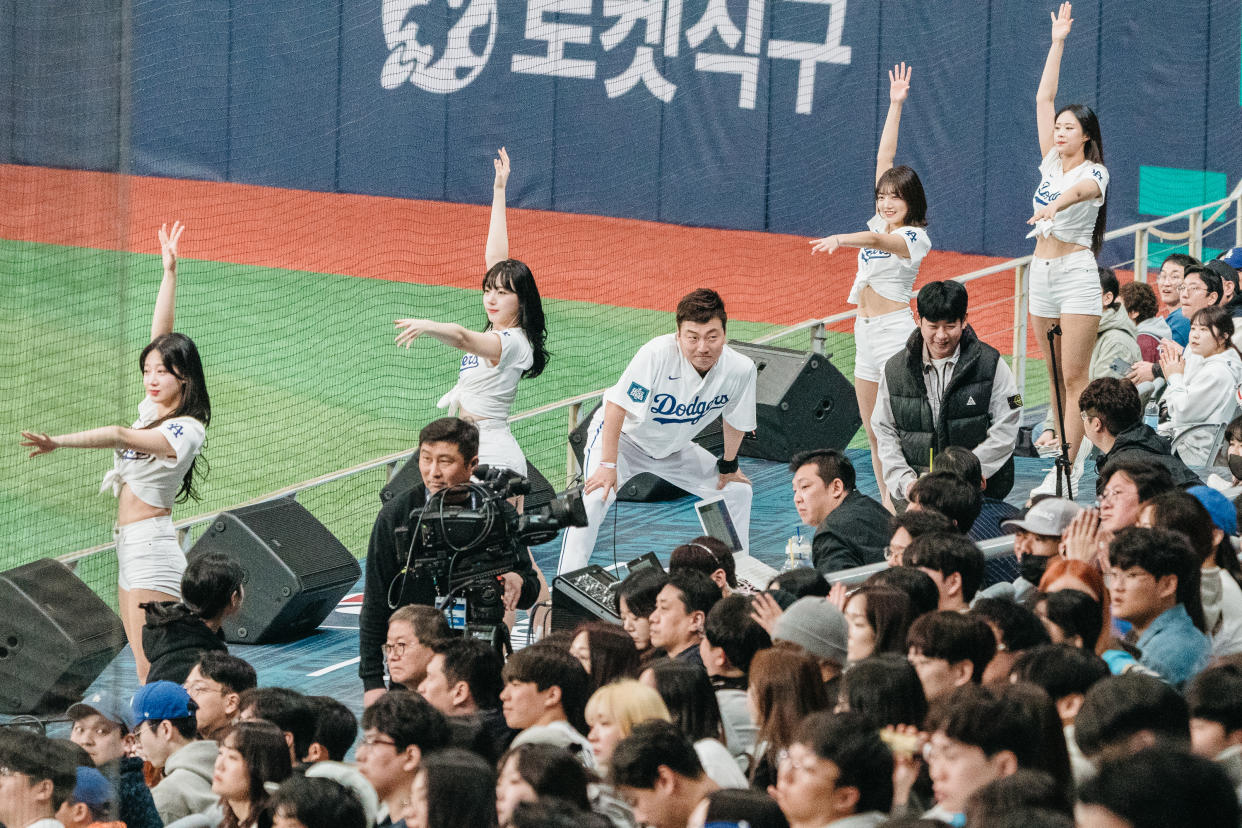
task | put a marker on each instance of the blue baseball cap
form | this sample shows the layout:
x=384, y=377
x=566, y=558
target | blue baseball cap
x=1223, y=513
x=161, y=700
x=1233, y=258
x=106, y=705
x=92, y=789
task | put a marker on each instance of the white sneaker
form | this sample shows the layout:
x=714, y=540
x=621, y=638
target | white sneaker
x=1049, y=484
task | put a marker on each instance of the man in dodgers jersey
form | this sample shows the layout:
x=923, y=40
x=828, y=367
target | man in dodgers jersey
x=672, y=389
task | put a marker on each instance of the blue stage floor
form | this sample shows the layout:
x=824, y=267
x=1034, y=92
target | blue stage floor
x=326, y=663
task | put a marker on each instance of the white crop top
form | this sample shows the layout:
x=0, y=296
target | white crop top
x=487, y=391
x=890, y=276
x=1076, y=223
x=155, y=480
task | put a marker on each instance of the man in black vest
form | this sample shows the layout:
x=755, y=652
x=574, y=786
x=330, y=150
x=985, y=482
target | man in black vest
x=947, y=388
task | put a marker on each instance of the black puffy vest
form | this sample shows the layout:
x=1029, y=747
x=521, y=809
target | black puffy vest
x=964, y=418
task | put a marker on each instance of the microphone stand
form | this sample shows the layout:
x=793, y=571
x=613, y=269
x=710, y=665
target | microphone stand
x=1063, y=465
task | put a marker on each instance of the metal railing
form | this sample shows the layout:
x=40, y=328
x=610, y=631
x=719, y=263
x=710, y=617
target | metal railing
x=1142, y=232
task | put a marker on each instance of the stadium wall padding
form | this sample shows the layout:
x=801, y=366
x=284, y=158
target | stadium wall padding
x=760, y=129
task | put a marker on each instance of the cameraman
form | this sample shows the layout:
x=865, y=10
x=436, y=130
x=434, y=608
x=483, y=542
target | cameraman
x=448, y=451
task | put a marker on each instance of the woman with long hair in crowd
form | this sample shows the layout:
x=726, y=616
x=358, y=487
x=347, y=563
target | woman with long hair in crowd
x=879, y=618
x=253, y=754
x=785, y=686
x=1069, y=215
x=156, y=459
x=605, y=651
x=453, y=787
x=691, y=701
x=891, y=250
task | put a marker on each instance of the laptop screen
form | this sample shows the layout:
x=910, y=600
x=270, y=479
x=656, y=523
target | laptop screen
x=716, y=521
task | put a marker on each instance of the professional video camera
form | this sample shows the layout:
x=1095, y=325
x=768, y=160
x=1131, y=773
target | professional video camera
x=465, y=537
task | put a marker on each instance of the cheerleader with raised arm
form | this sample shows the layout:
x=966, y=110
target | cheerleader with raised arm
x=1069, y=216
x=156, y=459
x=892, y=248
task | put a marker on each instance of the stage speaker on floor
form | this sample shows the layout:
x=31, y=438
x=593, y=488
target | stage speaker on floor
x=587, y=594
x=56, y=637
x=407, y=477
x=296, y=571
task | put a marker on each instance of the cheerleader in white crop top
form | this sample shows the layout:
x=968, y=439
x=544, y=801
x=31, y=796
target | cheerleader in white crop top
x=510, y=347
x=155, y=459
x=1068, y=217
x=892, y=249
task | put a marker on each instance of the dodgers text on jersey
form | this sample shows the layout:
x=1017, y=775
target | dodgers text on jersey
x=667, y=410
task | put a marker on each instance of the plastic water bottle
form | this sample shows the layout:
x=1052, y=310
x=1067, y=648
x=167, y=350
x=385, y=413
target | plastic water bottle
x=797, y=552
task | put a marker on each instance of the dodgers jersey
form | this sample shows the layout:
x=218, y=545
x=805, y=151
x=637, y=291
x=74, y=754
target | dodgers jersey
x=667, y=403
x=487, y=391
x=155, y=480
x=1076, y=223
x=890, y=276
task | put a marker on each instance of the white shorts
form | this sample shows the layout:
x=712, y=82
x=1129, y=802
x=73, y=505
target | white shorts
x=1069, y=284
x=876, y=339
x=498, y=448
x=149, y=556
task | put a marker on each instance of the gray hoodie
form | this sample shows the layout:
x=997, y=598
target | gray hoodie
x=186, y=787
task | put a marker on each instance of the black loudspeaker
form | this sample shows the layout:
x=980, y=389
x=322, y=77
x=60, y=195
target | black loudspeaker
x=296, y=571
x=804, y=403
x=587, y=594
x=407, y=477
x=56, y=637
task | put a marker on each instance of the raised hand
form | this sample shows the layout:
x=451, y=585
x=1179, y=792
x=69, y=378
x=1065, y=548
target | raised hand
x=41, y=443
x=168, y=243
x=501, y=163
x=1061, y=22
x=411, y=329
x=898, y=83
x=828, y=244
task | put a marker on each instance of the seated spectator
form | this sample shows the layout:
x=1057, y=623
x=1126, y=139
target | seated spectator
x=886, y=689
x=544, y=695
x=252, y=755
x=163, y=716
x=1113, y=420
x=688, y=695
x=38, y=779
x=532, y=773
x=849, y=526
x=878, y=619
x=918, y=585
x=1037, y=540
x=464, y=683
x=1156, y=788
x=1202, y=385
x=1215, y=701
x=820, y=630
x=605, y=651
x=1153, y=570
x=1022, y=792
x=92, y=803
x=1066, y=674
x=412, y=629
x=731, y=638
x=801, y=582
x=785, y=687
x=658, y=771
x=680, y=610
x=733, y=807
x=636, y=599
x=1121, y=715
x=215, y=684
x=287, y=709
x=953, y=562
x=1127, y=484
x=554, y=813
x=709, y=556
x=1017, y=630
x=303, y=802
x=614, y=709
x=1141, y=306
x=1073, y=617
x=103, y=727
x=949, y=494
x=909, y=525
x=979, y=735
x=949, y=650
x=398, y=730
x=1231, y=299
x=992, y=511
x=1201, y=288
x=837, y=772
x=1169, y=284
x=947, y=387
x=453, y=788
x=336, y=730
x=177, y=633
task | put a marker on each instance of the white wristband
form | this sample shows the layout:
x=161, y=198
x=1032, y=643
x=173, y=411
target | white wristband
x=607, y=465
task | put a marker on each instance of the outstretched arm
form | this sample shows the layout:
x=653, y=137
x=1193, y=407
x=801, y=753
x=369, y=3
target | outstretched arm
x=498, y=229
x=486, y=344
x=898, y=89
x=1046, y=95
x=888, y=242
x=146, y=440
x=166, y=301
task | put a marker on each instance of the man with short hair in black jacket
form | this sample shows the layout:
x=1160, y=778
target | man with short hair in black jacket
x=851, y=529
x=1113, y=421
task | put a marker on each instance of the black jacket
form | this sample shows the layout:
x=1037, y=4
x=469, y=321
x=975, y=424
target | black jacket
x=854, y=534
x=1141, y=442
x=484, y=733
x=174, y=638
x=385, y=584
